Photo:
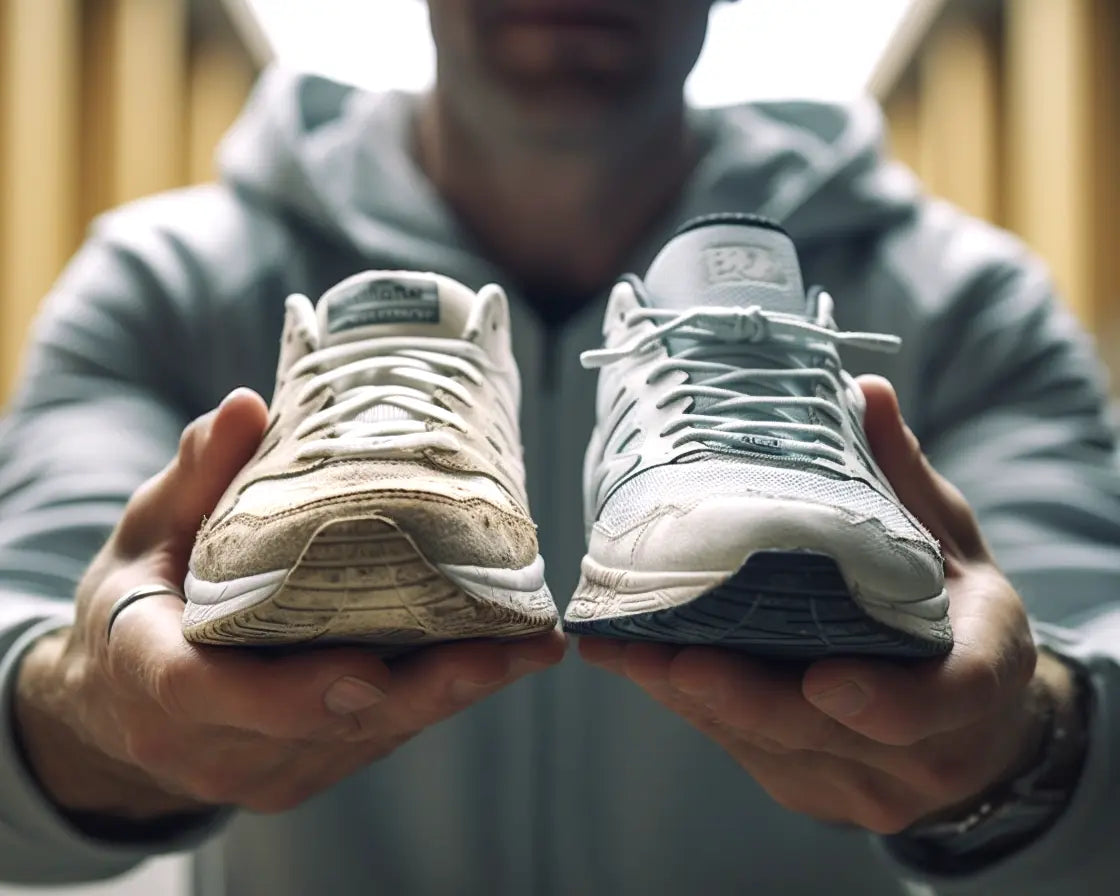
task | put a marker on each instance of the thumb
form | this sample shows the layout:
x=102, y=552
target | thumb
x=936, y=502
x=212, y=450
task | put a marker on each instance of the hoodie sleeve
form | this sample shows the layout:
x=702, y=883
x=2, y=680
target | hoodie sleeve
x=1016, y=416
x=97, y=413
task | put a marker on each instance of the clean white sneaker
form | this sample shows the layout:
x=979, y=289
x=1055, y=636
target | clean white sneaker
x=730, y=495
x=386, y=503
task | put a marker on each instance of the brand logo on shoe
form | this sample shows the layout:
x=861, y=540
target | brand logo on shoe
x=754, y=444
x=390, y=301
x=742, y=264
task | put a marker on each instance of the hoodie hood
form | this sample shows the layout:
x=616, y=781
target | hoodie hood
x=337, y=159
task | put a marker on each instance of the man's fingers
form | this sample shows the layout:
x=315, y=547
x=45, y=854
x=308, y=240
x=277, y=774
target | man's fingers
x=745, y=698
x=212, y=450
x=285, y=696
x=649, y=664
x=436, y=682
x=832, y=789
x=302, y=711
x=806, y=760
x=218, y=766
x=925, y=493
x=421, y=693
x=302, y=777
x=896, y=449
x=992, y=659
x=603, y=652
x=762, y=700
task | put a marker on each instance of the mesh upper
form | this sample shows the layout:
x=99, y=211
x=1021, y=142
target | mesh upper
x=684, y=485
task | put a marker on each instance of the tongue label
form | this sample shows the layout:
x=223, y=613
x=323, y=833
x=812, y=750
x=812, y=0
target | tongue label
x=742, y=264
x=396, y=300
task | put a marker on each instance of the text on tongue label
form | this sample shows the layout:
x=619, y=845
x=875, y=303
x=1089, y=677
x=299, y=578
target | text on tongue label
x=388, y=301
x=742, y=264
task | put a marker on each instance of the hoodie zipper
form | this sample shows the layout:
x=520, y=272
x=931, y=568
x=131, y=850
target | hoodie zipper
x=544, y=742
x=550, y=369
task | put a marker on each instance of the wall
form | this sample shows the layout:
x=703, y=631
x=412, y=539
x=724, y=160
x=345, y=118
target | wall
x=1011, y=110
x=101, y=101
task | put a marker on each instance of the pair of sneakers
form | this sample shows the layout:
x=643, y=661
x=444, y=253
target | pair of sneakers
x=730, y=495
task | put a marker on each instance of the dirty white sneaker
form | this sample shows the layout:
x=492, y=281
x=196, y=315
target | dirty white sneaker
x=386, y=503
x=731, y=497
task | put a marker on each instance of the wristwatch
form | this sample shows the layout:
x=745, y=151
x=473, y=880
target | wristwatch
x=1019, y=810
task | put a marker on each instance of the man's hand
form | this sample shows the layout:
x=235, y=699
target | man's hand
x=875, y=743
x=145, y=724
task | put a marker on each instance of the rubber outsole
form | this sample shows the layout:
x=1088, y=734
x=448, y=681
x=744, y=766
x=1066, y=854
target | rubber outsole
x=363, y=582
x=785, y=604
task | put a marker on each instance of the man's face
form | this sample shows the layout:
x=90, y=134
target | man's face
x=566, y=63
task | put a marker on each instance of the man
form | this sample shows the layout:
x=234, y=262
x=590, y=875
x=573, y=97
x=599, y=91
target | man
x=554, y=153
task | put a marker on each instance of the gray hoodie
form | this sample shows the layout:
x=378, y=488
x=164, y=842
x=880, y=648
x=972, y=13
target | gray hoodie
x=569, y=782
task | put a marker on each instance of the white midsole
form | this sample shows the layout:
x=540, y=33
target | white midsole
x=246, y=591
x=604, y=592
x=513, y=588
x=213, y=600
x=520, y=589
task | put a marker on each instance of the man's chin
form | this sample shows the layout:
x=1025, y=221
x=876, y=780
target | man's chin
x=568, y=117
x=577, y=103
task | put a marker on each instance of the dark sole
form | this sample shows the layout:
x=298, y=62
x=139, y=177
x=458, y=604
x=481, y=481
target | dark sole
x=786, y=604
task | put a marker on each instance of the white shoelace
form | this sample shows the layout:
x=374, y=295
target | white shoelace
x=790, y=383
x=384, y=394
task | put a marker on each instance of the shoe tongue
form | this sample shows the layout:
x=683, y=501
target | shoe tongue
x=728, y=260
x=393, y=303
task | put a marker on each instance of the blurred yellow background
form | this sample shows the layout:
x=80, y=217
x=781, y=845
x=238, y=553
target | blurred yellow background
x=101, y=101
x=1009, y=108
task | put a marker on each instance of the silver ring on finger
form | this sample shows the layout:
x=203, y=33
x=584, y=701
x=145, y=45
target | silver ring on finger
x=139, y=593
